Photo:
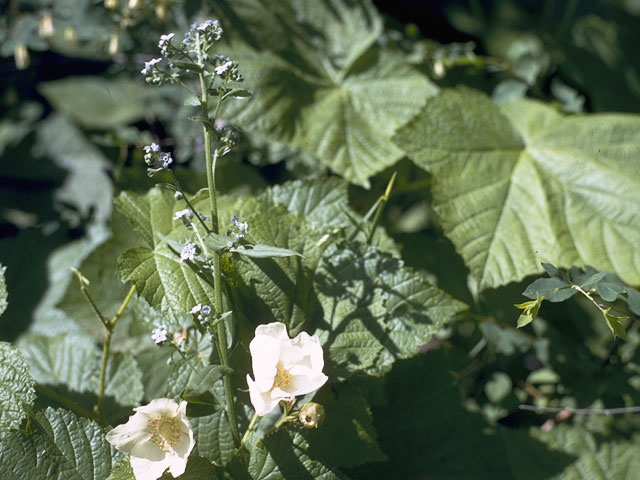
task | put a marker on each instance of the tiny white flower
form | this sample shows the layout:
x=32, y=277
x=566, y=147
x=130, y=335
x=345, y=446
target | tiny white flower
x=187, y=212
x=159, y=334
x=189, y=252
x=196, y=308
x=222, y=69
x=283, y=368
x=157, y=437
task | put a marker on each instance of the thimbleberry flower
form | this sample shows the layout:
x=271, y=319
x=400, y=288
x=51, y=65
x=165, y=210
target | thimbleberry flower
x=159, y=335
x=157, y=437
x=189, y=252
x=283, y=367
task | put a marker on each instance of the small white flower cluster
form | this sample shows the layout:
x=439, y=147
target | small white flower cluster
x=159, y=334
x=243, y=227
x=203, y=312
x=150, y=67
x=157, y=437
x=153, y=155
x=224, y=68
x=165, y=44
x=189, y=252
x=283, y=368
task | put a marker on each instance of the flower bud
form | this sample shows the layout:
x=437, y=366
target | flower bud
x=113, y=44
x=311, y=415
x=70, y=34
x=45, y=26
x=21, y=57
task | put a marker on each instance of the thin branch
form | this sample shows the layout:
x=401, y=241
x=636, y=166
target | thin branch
x=581, y=411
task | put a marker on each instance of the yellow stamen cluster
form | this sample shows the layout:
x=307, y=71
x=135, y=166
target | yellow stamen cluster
x=165, y=432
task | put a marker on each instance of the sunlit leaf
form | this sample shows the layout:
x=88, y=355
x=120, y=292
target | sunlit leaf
x=517, y=183
x=16, y=387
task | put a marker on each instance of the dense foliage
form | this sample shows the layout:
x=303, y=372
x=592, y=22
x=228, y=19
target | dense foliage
x=447, y=200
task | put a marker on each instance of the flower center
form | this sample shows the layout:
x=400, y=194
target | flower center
x=165, y=432
x=283, y=378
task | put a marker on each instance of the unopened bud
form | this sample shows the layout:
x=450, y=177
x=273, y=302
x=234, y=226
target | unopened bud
x=113, y=44
x=45, y=27
x=70, y=34
x=311, y=415
x=178, y=196
x=21, y=57
x=161, y=11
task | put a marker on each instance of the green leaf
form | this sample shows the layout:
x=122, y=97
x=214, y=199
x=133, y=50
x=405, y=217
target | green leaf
x=72, y=362
x=87, y=187
x=615, y=323
x=596, y=459
x=3, y=290
x=158, y=273
x=347, y=437
x=282, y=455
x=16, y=387
x=213, y=437
x=96, y=102
x=69, y=359
x=517, y=182
x=61, y=446
x=122, y=471
x=188, y=380
x=552, y=289
x=334, y=93
x=498, y=387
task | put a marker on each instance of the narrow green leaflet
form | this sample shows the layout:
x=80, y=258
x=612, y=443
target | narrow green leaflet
x=16, y=387
x=96, y=102
x=518, y=183
x=596, y=459
x=336, y=93
x=60, y=446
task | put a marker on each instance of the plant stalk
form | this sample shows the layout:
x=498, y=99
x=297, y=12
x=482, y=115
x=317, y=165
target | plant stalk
x=221, y=332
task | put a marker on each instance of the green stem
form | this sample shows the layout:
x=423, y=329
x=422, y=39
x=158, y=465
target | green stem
x=382, y=202
x=189, y=204
x=221, y=332
x=103, y=373
x=71, y=405
x=252, y=424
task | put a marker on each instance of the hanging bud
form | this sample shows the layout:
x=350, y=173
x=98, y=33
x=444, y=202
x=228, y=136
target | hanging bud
x=45, y=27
x=70, y=34
x=21, y=57
x=311, y=415
x=113, y=43
x=161, y=11
x=111, y=4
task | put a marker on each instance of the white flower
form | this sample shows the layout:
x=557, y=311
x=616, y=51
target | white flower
x=157, y=437
x=189, y=252
x=187, y=212
x=283, y=368
x=159, y=334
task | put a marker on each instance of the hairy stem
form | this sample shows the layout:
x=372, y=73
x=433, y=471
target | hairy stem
x=252, y=424
x=70, y=404
x=221, y=332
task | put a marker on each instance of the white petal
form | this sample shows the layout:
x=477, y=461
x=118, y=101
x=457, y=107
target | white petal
x=144, y=469
x=265, y=353
x=261, y=401
x=178, y=466
x=276, y=330
x=301, y=385
x=124, y=437
x=148, y=450
x=164, y=407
